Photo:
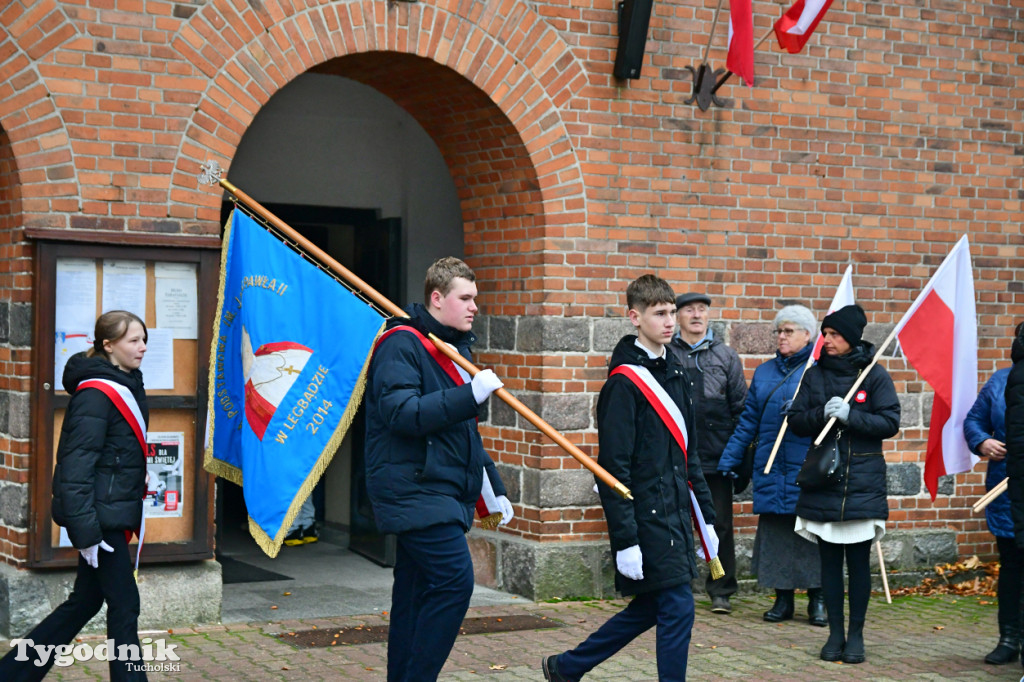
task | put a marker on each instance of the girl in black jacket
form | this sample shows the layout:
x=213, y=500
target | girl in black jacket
x=845, y=518
x=98, y=486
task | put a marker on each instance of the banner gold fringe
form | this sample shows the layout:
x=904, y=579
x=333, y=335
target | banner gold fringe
x=273, y=545
x=215, y=466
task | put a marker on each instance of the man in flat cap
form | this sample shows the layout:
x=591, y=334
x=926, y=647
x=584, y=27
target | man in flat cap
x=718, y=391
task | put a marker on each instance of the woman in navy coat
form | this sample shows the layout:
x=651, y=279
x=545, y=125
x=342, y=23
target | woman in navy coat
x=985, y=432
x=783, y=560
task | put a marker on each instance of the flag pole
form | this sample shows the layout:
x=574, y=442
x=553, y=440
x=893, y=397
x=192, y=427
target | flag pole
x=707, y=49
x=785, y=420
x=989, y=497
x=725, y=76
x=393, y=310
x=885, y=578
x=858, y=382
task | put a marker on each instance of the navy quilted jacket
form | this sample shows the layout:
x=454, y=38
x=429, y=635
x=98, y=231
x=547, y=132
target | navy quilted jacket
x=424, y=457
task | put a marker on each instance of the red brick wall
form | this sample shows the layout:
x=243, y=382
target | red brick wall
x=893, y=133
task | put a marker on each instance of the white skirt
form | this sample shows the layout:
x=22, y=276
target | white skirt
x=840, y=532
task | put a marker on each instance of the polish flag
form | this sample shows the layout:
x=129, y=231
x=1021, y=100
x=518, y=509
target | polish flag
x=939, y=338
x=798, y=23
x=843, y=298
x=740, y=58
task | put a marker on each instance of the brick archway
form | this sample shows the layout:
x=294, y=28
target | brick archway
x=42, y=155
x=491, y=108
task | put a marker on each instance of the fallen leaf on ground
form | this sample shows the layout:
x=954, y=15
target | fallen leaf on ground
x=954, y=579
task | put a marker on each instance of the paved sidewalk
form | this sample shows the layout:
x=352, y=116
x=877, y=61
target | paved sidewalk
x=915, y=638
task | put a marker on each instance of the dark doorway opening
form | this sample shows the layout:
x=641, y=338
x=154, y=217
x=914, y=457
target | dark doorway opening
x=369, y=246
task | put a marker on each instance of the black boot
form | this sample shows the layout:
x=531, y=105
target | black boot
x=1006, y=651
x=782, y=609
x=833, y=649
x=854, y=651
x=816, y=608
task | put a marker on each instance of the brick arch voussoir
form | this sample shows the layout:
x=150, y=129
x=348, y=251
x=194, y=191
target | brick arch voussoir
x=26, y=112
x=452, y=34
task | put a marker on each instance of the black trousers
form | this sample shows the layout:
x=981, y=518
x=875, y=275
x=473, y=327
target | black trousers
x=721, y=496
x=112, y=581
x=1008, y=590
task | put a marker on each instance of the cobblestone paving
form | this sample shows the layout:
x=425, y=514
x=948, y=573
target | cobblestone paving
x=915, y=638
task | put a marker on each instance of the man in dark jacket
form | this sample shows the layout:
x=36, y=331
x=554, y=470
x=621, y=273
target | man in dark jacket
x=651, y=535
x=717, y=390
x=425, y=468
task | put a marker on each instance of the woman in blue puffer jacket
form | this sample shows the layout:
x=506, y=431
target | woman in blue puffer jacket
x=985, y=432
x=783, y=560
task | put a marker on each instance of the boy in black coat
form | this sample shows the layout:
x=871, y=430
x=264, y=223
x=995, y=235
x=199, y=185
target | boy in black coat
x=651, y=535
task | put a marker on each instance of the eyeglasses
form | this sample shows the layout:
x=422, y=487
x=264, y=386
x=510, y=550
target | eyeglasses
x=784, y=332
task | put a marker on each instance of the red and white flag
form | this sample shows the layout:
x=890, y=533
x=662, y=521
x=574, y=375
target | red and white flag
x=939, y=338
x=843, y=298
x=798, y=23
x=740, y=58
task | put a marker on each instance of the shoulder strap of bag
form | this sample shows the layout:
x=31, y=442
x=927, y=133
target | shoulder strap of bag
x=772, y=392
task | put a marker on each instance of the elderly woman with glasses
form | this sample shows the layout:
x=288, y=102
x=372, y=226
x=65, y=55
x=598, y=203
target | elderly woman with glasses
x=783, y=560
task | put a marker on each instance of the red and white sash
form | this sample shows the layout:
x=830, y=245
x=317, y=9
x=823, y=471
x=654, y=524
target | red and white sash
x=670, y=415
x=126, y=404
x=487, y=504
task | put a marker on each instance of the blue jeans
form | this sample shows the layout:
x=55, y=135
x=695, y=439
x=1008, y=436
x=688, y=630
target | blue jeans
x=671, y=609
x=433, y=586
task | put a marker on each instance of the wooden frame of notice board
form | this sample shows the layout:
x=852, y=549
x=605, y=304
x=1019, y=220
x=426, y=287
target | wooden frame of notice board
x=179, y=524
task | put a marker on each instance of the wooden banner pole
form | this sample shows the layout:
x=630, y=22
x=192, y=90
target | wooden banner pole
x=390, y=308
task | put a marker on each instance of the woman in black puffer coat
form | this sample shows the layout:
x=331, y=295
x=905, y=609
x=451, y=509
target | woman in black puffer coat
x=845, y=518
x=98, y=486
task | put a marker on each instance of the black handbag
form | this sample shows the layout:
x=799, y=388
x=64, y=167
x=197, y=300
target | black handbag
x=822, y=468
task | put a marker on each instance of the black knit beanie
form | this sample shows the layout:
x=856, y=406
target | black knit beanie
x=848, y=321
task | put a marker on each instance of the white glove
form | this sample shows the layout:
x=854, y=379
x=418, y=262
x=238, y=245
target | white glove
x=630, y=562
x=712, y=538
x=485, y=383
x=835, y=407
x=506, y=509
x=91, y=554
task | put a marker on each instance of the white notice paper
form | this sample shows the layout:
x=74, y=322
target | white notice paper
x=158, y=362
x=67, y=344
x=76, y=294
x=64, y=540
x=176, y=299
x=124, y=286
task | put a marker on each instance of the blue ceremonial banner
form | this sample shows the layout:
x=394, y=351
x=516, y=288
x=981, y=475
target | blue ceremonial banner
x=288, y=363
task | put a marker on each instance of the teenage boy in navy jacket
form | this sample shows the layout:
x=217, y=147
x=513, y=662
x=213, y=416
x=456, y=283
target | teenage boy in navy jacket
x=425, y=465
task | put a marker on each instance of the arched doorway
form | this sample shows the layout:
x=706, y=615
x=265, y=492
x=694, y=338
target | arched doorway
x=385, y=187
